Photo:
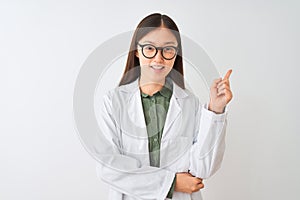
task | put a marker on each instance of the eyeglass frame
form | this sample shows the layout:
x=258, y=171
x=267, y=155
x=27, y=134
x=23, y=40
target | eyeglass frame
x=158, y=48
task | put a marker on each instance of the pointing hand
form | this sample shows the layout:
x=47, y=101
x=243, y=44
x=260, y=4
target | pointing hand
x=220, y=94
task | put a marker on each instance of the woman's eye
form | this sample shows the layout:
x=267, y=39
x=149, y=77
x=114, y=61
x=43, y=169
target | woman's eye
x=149, y=48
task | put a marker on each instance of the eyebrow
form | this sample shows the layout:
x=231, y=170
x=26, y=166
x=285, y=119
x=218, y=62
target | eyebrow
x=147, y=41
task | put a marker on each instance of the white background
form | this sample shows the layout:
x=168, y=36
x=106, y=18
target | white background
x=44, y=43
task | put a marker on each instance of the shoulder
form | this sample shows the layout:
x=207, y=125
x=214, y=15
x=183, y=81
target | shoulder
x=192, y=99
x=122, y=93
x=186, y=99
x=184, y=94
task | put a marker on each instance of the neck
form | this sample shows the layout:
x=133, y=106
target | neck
x=150, y=87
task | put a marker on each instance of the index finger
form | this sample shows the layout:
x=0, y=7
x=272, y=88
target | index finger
x=227, y=75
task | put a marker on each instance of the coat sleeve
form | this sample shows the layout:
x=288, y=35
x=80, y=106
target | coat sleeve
x=124, y=173
x=208, y=147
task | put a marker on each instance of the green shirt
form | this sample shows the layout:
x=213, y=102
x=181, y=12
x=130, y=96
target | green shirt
x=155, y=109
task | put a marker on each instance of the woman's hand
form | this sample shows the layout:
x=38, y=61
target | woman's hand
x=220, y=94
x=185, y=182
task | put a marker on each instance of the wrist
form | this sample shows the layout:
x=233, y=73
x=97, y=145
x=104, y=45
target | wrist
x=217, y=110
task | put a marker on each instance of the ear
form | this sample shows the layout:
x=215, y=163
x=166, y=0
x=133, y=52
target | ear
x=136, y=53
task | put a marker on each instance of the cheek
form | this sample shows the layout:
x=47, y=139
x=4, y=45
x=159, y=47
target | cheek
x=143, y=61
x=170, y=64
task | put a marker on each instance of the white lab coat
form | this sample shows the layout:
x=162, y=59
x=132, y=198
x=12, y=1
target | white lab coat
x=193, y=140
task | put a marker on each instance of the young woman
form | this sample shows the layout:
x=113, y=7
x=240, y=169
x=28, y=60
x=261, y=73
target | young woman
x=160, y=143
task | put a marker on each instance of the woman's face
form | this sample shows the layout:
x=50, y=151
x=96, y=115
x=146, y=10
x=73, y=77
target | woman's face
x=157, y=68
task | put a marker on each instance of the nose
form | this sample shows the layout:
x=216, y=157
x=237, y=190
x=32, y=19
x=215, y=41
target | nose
x=158, y=57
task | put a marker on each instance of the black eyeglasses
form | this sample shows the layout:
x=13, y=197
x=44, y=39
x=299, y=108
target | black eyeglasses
x=149, y=51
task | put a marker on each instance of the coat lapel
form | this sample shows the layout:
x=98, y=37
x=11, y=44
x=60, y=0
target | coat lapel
x=134, y=108
x=174, y=112
x=134, y=131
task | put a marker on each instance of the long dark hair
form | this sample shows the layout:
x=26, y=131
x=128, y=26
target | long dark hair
x=132, y=70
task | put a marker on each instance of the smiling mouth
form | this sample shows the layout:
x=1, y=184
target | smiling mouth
x=157, y=67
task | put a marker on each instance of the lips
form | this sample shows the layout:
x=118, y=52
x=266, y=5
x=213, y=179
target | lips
x=157, y=67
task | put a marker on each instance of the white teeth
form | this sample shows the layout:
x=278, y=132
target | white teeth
x=157, y=67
